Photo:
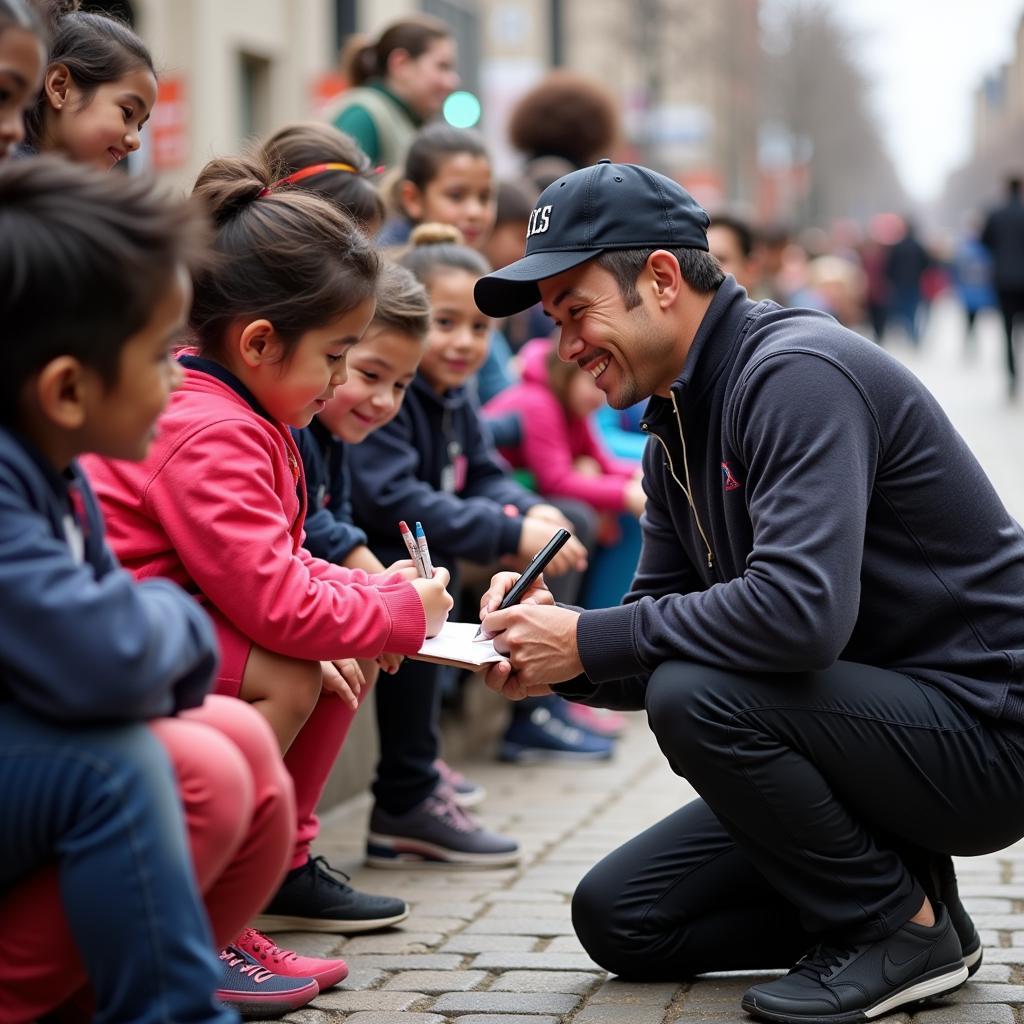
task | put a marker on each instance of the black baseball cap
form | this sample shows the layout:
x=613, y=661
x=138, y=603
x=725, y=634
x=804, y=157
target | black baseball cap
x=585, y=213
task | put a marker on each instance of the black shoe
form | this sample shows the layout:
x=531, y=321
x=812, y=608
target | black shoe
x=837, y=984
x=939, y=881
x=314, y=898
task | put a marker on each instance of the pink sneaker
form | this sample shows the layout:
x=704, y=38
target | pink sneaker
x=288, y=963
x=466, y=792
x=600, y=721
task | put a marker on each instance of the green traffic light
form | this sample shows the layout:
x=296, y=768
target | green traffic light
x=462, y=109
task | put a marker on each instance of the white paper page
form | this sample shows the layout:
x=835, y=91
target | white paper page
x=455, y=642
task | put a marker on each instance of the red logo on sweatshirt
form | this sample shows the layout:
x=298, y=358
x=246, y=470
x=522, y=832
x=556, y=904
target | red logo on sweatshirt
x=729, y=481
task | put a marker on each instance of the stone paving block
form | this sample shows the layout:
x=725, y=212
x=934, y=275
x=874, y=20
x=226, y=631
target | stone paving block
x=578, y=982
x=464, y=943
x=506, y=1002
x=409, y=961
x=565, y=944
x=631, y=993
x=543, y=926
x=430, y=906
x=360, y=977
x=989, y=937
x=532, y=911
x=535, y=962
x=1001, y=922
x=506, y=1018
x=391, y=942
x=338, y=999
x=977, y=905
x=444, y=925
x=992, y=972
x=1013, y=955
x=987, y=992
x=435, y=982
x=1002, y=889
x=308, y=1016
x=372, y=1017
x=611, y=1013
x=979, y=1013
x=531, y=896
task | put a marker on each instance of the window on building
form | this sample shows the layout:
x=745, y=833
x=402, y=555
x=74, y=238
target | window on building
x=254, y=95
x=465, y=24
x=346, y=21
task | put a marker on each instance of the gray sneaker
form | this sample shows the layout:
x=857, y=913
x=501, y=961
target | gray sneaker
x=436, y=832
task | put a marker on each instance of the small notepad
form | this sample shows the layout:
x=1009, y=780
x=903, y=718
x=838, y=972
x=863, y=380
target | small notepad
x=455, y=645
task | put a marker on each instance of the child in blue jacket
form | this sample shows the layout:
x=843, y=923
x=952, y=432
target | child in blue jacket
x=434, y=462
x=95, y=864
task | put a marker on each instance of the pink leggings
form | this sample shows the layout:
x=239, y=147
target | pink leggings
x=240, y=814
x=309, y=761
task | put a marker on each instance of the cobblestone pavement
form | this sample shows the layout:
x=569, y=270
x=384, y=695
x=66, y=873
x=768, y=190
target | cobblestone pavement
x=497, y=947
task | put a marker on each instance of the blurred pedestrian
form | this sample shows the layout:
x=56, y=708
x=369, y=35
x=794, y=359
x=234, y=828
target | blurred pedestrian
x=731, y=240
x=1003, y=236
x=399, y=82
x=565, y=115
x=905, y=264
x=971, y=272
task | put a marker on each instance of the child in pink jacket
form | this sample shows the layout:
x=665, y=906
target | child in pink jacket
x=219, y=503
x=559, y=446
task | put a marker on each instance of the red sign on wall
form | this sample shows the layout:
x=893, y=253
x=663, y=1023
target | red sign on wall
x=169, y=125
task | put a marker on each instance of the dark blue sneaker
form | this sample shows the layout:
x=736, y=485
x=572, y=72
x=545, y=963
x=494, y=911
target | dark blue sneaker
x=255, y=992
x=548, y=734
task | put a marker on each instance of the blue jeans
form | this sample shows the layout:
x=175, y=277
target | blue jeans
x=102, y=803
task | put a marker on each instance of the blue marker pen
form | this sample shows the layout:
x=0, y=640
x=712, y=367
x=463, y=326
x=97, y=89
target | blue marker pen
x=421, y=543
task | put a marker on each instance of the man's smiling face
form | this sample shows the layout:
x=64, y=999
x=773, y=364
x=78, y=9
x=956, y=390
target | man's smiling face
x=620, y=348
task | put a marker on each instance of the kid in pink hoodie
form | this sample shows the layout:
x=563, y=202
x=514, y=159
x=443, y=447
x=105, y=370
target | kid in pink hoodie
x=218, y=505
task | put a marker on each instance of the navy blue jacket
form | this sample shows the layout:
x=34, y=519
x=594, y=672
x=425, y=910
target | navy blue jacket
x=833, y=513
x=435, y=462
x=80, y=640
x=330, y=532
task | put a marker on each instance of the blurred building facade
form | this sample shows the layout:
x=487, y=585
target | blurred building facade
x=997, y=151
x=684, y=72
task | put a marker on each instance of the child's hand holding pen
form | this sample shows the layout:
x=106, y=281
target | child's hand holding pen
x=437, y=602
x=432, y=584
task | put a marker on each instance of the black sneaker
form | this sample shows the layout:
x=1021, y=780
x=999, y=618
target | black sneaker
x=940, y=885
x=316, y=898
x=837, y=984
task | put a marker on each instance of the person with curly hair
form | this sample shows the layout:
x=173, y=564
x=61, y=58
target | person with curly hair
x=565, y=115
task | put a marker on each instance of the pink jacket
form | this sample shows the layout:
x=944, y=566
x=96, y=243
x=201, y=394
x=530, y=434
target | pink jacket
x=552, y=439
x=218, y=507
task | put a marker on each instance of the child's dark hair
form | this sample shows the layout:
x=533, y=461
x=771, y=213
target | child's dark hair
x=307, y=144
x=440, y=247
x=94, y=48
x=84, y=258
x=433, y=145
x=740, y=228
x=402, y=302
x=516, y=200
x=365, y=59
x=281, y=254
